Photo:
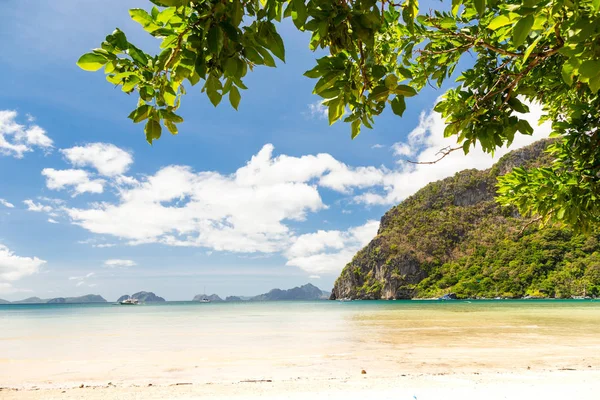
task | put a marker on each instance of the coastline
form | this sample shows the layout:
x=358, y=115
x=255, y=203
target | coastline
x=555, y=384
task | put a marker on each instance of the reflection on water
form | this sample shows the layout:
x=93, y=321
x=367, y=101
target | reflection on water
x=216, y=342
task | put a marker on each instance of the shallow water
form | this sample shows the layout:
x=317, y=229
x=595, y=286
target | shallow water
x=46, y=345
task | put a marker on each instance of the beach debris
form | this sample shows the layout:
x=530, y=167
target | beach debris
x=256, y=380
x=149, y=384
x=81, y=386
x=181, y=383
x=363, y=372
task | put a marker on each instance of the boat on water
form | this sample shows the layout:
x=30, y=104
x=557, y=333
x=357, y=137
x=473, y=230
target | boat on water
x=204, y=300
x=129, y=302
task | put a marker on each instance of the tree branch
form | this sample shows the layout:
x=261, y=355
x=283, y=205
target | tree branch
x=444, y=152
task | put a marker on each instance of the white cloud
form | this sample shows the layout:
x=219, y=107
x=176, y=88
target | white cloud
x=13, y=267
x=402, y=149
x=424, y=144
x=6, y=204
x=377, y=146
x=329, y=251
x=241, y=212
x=52, y=221
x=106, y=158
x=114, y=263
x=78, y=179
x=314, y=277
x=16, y=139
x=37, y=207
x=317, y=110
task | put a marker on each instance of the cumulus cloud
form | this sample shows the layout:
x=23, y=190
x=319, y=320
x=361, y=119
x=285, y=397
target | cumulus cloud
x=424, y=144
x=329, y=251
x=106, y=158
x=241, y=212
x=6, y=204
x=77, y=179
x=17, y=139
x=115, y=263
x=13, y=267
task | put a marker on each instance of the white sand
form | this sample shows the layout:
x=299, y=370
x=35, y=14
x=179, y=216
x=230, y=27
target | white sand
x=547, y=385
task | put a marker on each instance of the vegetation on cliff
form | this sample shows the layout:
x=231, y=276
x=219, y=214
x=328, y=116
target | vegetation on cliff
x=452, y=236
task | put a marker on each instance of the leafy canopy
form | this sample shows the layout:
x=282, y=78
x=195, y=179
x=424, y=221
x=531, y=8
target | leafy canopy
x=523, y=52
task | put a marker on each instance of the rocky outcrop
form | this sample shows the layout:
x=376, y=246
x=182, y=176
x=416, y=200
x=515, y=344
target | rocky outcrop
x=4, y=301
x=233, y=298
x=439, y=224
x=213, y=298
x=304, y=292
x=90, y=298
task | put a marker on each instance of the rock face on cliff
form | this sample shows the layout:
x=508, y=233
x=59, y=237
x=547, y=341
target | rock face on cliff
x=304, y=292
x=89, y=298
x=144, y=297
x=213, y=298
x=451, y=236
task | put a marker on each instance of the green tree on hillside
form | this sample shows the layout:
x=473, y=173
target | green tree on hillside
x=523, y=51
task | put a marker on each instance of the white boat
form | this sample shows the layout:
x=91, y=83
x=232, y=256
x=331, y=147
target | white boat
x=129, y=302
x=204, y=300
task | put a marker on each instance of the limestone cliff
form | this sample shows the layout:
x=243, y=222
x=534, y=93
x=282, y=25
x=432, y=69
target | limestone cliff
x=447, y=237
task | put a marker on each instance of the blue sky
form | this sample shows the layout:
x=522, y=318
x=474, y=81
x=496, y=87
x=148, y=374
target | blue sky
x=239, y=202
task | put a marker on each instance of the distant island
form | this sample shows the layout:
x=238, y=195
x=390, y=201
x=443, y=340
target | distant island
x=144, y=297
x=88, y=298
x=304, y=292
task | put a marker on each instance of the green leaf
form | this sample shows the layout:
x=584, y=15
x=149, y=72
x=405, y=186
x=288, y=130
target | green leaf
x=398, y=105
x=594, y=83
x=499, y=22
x=589, y=68
x=140, y=113
x=234, y=97
x=215, y=39
x=516, y=105
x=355, y=128
x=91, y=62
x=479, y=6
x=171, y=127
x=275, y=43
x=336, y=109
x=405, y=90
x=171, y=116
x=521, y=30
x=152, y=130
x=143, y=18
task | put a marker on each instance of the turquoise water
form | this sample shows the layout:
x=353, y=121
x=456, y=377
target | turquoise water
x=48, y=343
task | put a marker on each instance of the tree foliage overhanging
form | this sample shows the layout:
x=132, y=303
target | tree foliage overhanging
x=380, y=52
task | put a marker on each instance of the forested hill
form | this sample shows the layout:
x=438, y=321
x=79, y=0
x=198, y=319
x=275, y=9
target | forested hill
x=451, y=236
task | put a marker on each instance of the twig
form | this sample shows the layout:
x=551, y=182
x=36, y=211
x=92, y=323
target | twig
x=444, y=152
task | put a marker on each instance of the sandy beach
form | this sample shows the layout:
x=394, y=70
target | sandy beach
x=454, y=386
x=302, y=350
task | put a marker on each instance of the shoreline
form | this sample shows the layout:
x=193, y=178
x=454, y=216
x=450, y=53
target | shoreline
x=555, y=384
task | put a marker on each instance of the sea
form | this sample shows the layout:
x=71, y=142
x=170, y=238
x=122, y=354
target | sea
x=45, y=345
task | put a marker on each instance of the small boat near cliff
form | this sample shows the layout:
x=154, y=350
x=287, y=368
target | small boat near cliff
x=129, y=302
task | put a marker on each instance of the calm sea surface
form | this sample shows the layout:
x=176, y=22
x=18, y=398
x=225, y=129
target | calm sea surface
x=184, y=341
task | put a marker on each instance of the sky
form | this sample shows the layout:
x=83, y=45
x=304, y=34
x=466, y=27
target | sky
x=238, y=203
